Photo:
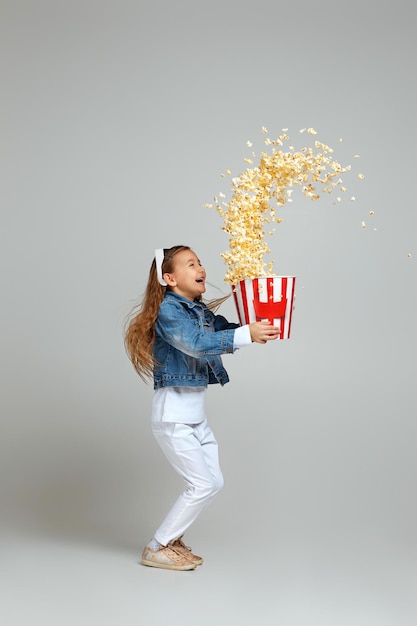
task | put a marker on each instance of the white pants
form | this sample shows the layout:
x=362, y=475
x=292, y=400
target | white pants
x=193, y=452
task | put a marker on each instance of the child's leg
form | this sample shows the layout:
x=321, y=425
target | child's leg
x=210, y=450
x=192, y=451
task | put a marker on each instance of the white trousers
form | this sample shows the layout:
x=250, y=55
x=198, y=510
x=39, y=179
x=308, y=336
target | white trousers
x=193, y=452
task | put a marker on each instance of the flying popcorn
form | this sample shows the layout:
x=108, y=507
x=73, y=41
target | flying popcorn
x=260, y=189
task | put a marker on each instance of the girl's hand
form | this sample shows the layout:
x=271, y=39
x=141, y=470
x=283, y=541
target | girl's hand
x=261, y=332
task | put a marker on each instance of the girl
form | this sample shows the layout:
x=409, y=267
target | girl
x=177, y=339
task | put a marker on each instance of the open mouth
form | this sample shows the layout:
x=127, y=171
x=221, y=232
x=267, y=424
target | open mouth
x=199, y=280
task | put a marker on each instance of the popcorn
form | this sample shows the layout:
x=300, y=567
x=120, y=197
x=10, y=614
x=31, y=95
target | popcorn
x=271, y=181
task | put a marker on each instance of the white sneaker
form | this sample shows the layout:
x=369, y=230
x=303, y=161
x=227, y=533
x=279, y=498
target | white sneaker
x=166, y=558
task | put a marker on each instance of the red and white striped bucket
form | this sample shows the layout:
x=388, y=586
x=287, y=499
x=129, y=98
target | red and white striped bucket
x=268, y=299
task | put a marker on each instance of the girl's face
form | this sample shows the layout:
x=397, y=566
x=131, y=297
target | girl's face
x=189, y=277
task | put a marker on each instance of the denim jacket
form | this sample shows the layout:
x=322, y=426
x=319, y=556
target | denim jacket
x=189, y=340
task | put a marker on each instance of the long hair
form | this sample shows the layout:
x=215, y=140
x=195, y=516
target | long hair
x=140, y=324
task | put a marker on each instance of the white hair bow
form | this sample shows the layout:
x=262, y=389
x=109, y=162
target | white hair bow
x=159, y=259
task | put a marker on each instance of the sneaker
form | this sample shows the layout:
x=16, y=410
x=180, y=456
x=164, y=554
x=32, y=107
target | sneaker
x=180, y=547
x=166, y=558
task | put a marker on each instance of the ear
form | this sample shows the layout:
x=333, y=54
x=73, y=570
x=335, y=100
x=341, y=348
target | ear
x=170, y=281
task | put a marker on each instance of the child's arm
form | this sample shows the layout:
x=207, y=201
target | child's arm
x=176, y=327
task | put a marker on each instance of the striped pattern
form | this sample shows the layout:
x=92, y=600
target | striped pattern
x=266, y=299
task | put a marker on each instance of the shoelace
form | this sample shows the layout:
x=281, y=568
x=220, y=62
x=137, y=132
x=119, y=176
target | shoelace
x=172, y=553
x=182, y=544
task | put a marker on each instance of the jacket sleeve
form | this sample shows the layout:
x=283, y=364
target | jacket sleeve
x=175, y=327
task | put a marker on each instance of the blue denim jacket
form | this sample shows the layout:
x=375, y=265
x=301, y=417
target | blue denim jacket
x=189, y=340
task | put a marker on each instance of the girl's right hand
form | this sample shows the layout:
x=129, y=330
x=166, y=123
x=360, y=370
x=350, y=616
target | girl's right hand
x=261, y=332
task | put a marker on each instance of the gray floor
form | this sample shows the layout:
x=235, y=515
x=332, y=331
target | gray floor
x=300, y=577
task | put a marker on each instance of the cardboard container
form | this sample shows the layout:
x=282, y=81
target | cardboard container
x=268, y=299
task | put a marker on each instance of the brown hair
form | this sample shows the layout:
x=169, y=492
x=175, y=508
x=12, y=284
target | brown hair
x=140, y=325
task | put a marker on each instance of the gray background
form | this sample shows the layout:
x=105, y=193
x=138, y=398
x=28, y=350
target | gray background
x=117, y=119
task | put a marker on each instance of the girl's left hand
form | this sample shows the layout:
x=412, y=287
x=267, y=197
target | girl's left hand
x=261, y=332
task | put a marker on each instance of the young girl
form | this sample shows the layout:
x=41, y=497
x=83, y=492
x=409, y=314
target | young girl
x=177, y=339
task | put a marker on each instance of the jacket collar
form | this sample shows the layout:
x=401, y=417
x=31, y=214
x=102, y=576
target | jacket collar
x=171, y=295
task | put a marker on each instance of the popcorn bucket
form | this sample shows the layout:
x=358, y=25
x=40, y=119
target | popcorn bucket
x=268, y=299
